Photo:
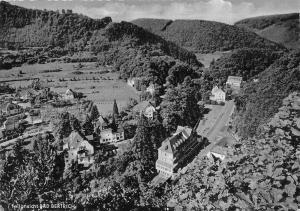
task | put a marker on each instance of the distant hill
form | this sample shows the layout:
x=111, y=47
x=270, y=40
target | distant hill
x=245, y=62
x=21, y=27
x=205, y=36
x=132, y=50
x=283, y=29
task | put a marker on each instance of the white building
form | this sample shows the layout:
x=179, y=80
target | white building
x=176, y=150
x=69, y=95
x=78, y=149
x=132, y=82
x=151, y=89
x=234, y=82
x=146, y=108
x=10, y=108
x=218, y=95
x=110, y=136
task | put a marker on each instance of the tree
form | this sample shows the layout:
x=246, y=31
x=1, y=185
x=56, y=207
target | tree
x=257, y=174
x=146, y=142
x=115, y=108
x=75, y=124
x=63, y=128
x=94, y=113
x=179, y=107
x=88, y=126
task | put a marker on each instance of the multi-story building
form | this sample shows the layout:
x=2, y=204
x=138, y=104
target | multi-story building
x=78, y=149
x=146, y=108
x=111, y=136
x=177, y=150
x=218, y=95
x=234, y=82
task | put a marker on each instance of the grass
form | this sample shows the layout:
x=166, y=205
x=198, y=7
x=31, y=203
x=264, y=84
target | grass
x=97, y=83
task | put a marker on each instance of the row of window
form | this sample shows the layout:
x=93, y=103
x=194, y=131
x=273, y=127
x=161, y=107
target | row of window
x=114, y=139
x=165, y=173
x=159, y=167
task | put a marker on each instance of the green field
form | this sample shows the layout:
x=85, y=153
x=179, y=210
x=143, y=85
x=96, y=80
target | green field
x=98, y=86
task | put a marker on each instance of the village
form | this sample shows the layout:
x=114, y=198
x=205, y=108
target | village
x=30, y=112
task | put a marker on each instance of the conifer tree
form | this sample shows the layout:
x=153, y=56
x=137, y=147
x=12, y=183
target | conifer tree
x=115, y=108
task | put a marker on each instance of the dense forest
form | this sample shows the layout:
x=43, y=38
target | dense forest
x=246, y=62
x=67, y=34
x=258, y=174
x=22, y=27
x=205, y=36
x=260, y=100
x=283, y=29
x=135, y=52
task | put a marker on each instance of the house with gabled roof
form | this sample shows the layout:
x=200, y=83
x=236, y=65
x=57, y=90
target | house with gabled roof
x=221, y=148
x=151, y=89
x=27, y=94
x=9, y=108
x=112, y=136
x=69, y=95
x=79, y=149
x=146, y=108
x=218, y=95
x=234, y=82
x=176, y=151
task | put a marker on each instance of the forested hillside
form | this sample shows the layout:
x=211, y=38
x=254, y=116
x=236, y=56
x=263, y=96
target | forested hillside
x=20, y=27
x=205, y=36
x=132, y=50
x=258, y=174
x=260, y=100
x=245, y=62
x=283, y=29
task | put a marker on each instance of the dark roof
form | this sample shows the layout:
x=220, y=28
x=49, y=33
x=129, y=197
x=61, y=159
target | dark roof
x=170, y=144
x=142, y=106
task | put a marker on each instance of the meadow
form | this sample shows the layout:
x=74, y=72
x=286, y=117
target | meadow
x=98, y=84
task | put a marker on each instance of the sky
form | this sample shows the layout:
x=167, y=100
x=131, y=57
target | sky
x=226, y=11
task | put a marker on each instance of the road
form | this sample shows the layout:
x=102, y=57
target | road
x=214, y=125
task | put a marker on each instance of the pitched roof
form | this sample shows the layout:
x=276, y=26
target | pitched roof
x=181, y=135
x=28, y=91
x=102, y=120
x=7, y=106
x=187, y=131
x=74, y=139
x=234, y=78
x=142, y=106
x=71, y=91
x=216, y=89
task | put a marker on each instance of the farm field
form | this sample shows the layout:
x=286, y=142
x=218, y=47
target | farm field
x=97, y=83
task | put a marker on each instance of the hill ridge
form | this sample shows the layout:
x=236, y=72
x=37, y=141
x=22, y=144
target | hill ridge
x=205, y=36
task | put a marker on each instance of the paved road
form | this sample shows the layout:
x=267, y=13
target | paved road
x=217, y=121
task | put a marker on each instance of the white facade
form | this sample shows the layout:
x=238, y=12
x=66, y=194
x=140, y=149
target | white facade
x=108, y=136
x=151, y=89
x=218, y=95
x=149, y=111
x=217, y=155
x=165, y=163
x=234, y=82
x=131, y=82
x=79, y=150
x=69, y=95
